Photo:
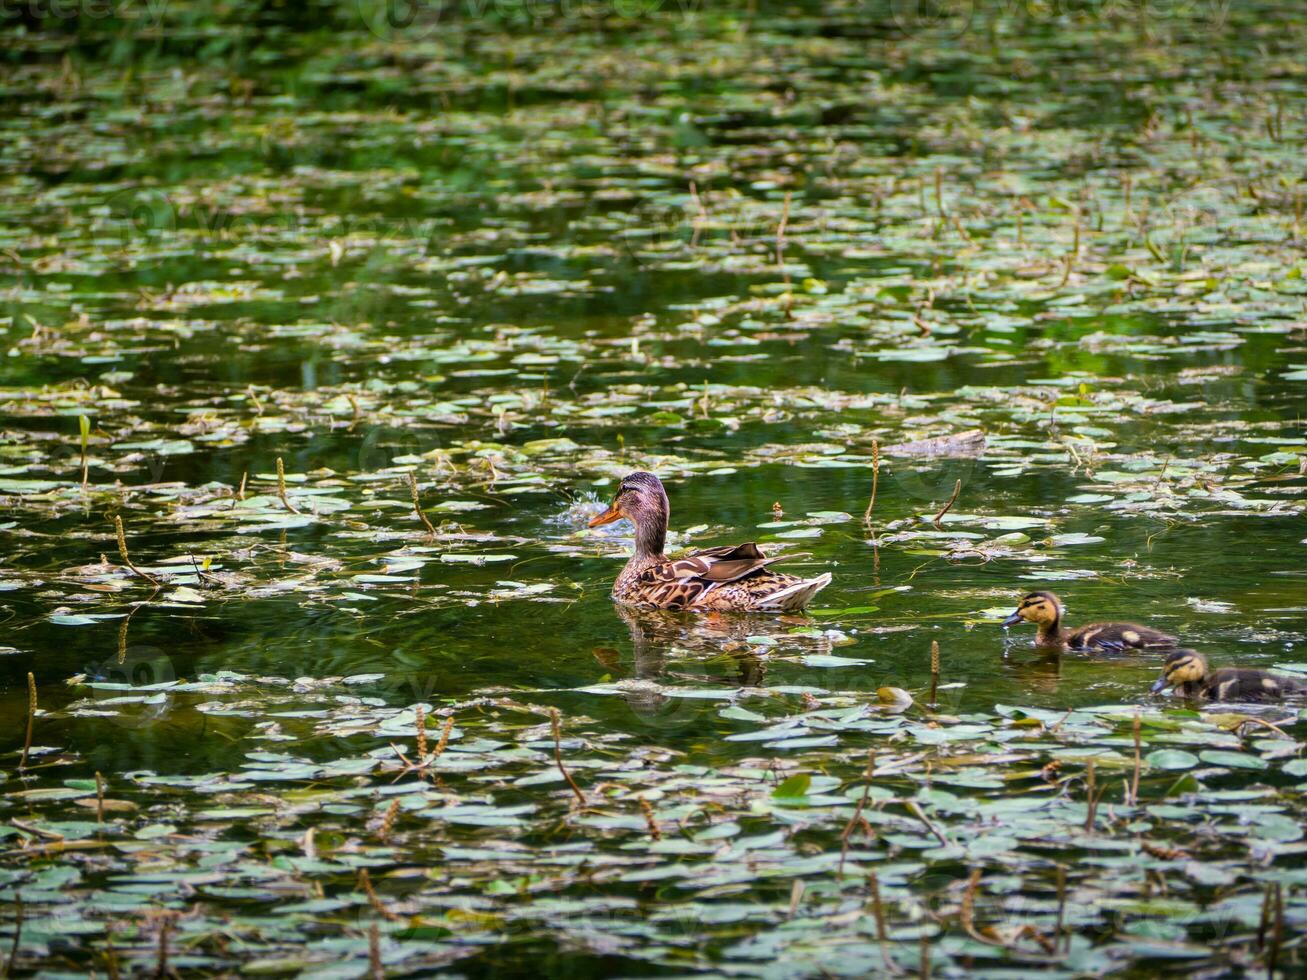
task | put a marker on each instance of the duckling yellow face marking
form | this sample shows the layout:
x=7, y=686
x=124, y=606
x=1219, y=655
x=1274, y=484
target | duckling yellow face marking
x=1040, y=608
x=1182, y=667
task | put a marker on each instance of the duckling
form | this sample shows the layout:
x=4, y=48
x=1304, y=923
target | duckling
x=1187, y=671
x=1045, y=610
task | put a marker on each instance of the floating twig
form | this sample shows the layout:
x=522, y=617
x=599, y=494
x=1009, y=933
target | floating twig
x=957, y=488
x=281, y=487
x=99, y=798
x=554, y=720
x=122, y=551
x=875, y=479
x=925, y=955
x=417, y=505
x=31, y=718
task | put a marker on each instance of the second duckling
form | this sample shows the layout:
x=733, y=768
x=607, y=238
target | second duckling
x=1045, y=610
x=1187, y=671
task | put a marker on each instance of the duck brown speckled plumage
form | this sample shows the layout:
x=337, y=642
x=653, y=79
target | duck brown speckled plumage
x=733, y=577
x=1187, y=671
x=1044, y=609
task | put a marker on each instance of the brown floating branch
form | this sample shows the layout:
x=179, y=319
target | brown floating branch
x=558, y=755
x=281, y=487
x=122, y=551
x=875, y=479
x=99, y=798
x=957, y=488
x=417, y=505
x=31, y=717
x=935, y=669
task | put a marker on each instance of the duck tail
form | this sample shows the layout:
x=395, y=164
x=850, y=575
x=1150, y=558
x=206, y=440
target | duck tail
x=795, y=596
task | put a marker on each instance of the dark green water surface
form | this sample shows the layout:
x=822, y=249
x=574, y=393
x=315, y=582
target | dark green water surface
x=516, y=251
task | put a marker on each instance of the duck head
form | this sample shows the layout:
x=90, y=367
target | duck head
x=1181, y=667
x=1041, y=608
x=642, y=500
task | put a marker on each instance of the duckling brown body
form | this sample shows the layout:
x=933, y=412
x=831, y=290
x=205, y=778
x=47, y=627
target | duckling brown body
x=1188, y=673
x=1044, y=609
x=733, y=577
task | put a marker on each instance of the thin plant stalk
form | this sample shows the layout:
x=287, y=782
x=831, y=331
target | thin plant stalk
x=558, y=756
x=875, y=479
x=417, y=506
x=281, y=487
x=122, y=552
x=84, y=424
x=957, y=488
x=934, y=670
x=31, y=718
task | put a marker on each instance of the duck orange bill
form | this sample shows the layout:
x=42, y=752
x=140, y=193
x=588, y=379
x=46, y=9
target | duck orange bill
x=607, y=517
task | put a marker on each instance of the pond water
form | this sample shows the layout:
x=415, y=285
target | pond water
x=511, y=253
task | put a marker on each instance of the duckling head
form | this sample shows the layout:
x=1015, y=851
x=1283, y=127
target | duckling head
x=1040, y=608
x=642, y=500
x=1181, y=667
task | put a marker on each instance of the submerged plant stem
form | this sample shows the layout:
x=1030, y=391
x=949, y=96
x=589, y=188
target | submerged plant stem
x=554, y=718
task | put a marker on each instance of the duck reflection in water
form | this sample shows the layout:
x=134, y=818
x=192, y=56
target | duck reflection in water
x=1041, y=672
x=716, y=641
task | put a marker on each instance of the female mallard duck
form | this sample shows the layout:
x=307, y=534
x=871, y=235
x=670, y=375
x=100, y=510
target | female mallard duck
x=1045, y=610
x=718, y=579
x=1187, y=670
